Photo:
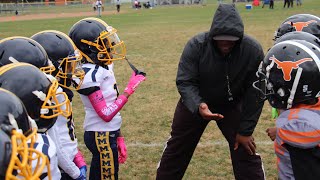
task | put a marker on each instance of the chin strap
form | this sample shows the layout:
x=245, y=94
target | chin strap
x=294, y=88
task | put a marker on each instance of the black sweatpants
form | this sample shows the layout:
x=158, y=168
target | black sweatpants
x=118, y=7
x=271, y=4
x=185, y=135
x=286, y=2
x=104, y=162
x=305, y=162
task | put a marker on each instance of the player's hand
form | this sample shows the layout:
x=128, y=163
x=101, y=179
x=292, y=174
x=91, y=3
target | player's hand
x=134, y=82
x=83, y=173
x=122, y=149
x=206, y=114
x=272, y=133
x=79, y=160
x=247, y=142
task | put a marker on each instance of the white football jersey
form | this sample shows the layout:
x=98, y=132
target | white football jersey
x=45, y=145
x=105, y=79
x=63, y=135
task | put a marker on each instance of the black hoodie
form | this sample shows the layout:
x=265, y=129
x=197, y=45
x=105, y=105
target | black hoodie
x=204, y=74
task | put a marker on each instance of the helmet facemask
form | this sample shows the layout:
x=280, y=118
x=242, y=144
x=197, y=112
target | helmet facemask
x=54, y=103
x=263, y=85
x=25, y=162
x=49, y=69
x=71, y=74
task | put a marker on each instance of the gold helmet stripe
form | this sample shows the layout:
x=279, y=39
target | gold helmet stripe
x=7, y=67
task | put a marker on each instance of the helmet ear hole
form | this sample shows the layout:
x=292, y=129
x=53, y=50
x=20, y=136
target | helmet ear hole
x=281, y=92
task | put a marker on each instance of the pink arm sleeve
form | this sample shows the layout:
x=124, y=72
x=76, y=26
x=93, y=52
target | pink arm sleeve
x=106, y=112
x=79, y=160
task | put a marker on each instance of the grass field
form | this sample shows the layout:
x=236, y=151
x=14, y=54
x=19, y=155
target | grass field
x=155, y=39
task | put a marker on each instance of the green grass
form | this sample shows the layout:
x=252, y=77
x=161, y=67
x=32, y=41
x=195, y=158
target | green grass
x=155, y=39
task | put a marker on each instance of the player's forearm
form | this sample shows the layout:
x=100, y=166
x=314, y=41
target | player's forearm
x=105, y=112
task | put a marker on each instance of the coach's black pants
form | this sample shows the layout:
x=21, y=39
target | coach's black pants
x=185, y=135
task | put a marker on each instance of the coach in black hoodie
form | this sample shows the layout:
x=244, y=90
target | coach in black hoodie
x=215, y=76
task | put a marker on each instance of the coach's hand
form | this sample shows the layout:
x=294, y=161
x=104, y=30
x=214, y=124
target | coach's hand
x=206, y=114
x=247, y=142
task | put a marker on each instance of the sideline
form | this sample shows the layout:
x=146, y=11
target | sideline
x=29, y=17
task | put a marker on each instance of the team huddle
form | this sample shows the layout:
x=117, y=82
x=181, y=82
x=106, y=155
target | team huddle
x=37, y=131
x=36, y=125
x=289, y=79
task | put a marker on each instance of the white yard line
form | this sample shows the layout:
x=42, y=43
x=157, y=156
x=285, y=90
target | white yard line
x=139, y=144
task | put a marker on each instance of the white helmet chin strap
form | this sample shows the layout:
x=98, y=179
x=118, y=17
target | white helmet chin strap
x=294, y=88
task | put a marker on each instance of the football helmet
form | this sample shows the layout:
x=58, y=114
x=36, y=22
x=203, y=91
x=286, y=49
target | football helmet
x=64, y=55
x=38, y=92
x=300, y=22
x=299, y=35
x=16, y=157
x=97, y=41
x=23, y=49
x=289, y=74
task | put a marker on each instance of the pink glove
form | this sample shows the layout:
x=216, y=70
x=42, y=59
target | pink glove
x=122, y=149
x=134, y=81
x=79, y=159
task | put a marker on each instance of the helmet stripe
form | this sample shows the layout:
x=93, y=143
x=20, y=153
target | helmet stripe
x=7, y=67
